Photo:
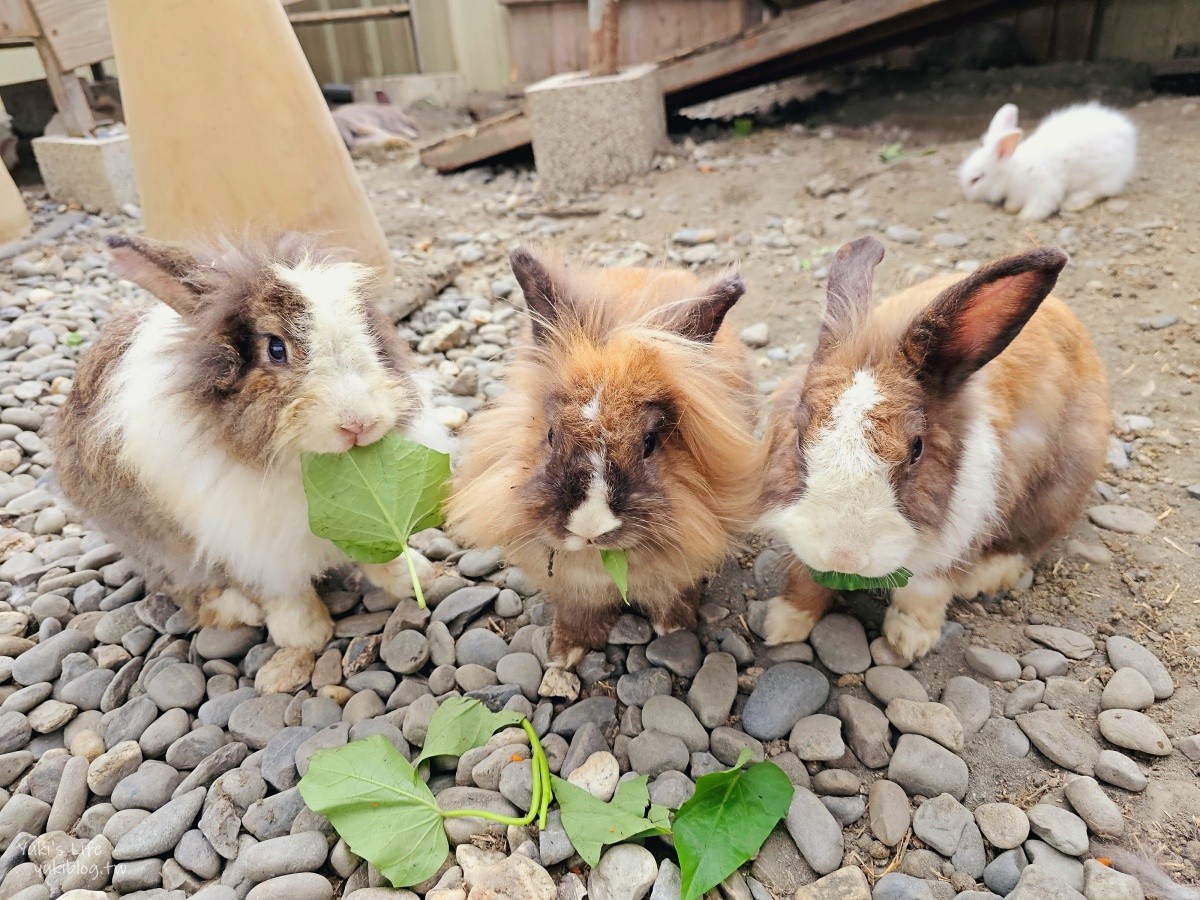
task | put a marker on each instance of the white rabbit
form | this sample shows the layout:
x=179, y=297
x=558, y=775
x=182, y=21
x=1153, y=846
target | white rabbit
x=1077, y=156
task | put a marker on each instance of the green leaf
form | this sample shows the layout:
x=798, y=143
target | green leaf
x=892, y=152
x=378, y=803
x=73, y=339
x=743, y=126
x=726, y=821
x=840, y=581
x=616, y=564
x=368, y=500
x=592, y=824
x=460, y=724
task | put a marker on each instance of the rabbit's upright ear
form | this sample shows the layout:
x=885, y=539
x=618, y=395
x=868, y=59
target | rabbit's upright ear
x=704, y=315
x=545, y=296
x=1004, y=120
x=161, y=267
x=848, y=294
x=1007, y=142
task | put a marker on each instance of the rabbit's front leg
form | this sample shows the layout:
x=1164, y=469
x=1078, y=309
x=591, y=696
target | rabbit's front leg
x=913, y=623
x=302, y=621
x=1079, y=200
x=804, y=603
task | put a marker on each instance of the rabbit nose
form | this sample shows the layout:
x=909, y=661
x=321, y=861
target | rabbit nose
x=355, y=427
x=846, y=560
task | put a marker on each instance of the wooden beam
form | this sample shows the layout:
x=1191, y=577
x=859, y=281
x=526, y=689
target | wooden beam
x=481, y=141
x=603, y=34
x=340, y=16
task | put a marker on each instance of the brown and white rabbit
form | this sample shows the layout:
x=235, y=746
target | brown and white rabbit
x=183, y=432
x=627, y=424
x=954, y=430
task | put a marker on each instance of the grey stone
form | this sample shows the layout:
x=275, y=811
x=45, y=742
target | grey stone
x=222, y=643
x=924, y=767
x=1002, y=873
x=220, y=761
x=816, y=833
x=970, y=856
x=817, y=738
x=630, y=630
x=21, y=813
x=1024, y=697
x=889, y=812
x=678, y=652
x=903, y=234
x=197, y=855
x=727, y=745
x=1045, y=662
x=15, y=731
x=1061, y=829
x=481, y=647
x=636, y=688
x=1101, y=882
x=1122, y=519
x=278, y=763
x=668, y=884
x=939, y=822
x=970, y=701
x=898, y=886
x=1123, y=652
x=180, y=686
x=652, y=753
x=1127, y=689
x=1133, y=730
x=162, y=829
x=888, y=683
x=43, y=661
x=523, y=670
x=840, y=643
x=194, y=747
x=287, y=855
x=625, y=872
x=553, y=844
x=164, y=731
x=671, y=789
x=714, y=690
x=848, y=883
x=1119, y=770
x=405, y=652
x=786, y=693
x=1064, y=640
x=148, y=788
x=463, y=605
x=933, y=720
x=129, y=722
x=139, y=875
x=1096, y=808
x=994, y=664
x=300, y=886
x=256, y=721
x=866, y=731
x=1004, y=825
x=1057, y=736
x=672, y=716
x=273, y=816
x=462, y=830
x=600, y=710
x=1057, y=865
x=847, y=810
x=218, y=710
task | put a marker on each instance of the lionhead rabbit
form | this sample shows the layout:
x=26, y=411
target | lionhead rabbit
x=1077, y=156
x=954, y=430
x=183, y=432
x=627, y=425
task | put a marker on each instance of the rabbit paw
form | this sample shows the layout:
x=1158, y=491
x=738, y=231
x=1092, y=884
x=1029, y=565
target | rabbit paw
x=907, y=635
x=230, y=609
x=1079, y=200
x=786, y=624
x=995, y=575
x=304, y=622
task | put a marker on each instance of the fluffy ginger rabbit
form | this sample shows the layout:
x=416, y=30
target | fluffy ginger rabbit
x=183, y=432
x=1077, y=156
x=627, y=425
x=954, y=430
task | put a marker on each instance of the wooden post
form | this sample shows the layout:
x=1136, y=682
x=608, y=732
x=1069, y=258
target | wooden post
x=602, y=43
x=228, y=127
x=14, y=218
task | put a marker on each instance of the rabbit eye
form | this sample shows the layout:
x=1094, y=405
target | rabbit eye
x=276, y=349
x=916, y=448
x=649, y=443
x=977, y=179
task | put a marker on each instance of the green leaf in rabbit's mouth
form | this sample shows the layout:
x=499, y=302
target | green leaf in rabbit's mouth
x=841, y=581
x=617, y=566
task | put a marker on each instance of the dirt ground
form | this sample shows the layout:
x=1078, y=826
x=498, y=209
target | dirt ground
x=783, y=198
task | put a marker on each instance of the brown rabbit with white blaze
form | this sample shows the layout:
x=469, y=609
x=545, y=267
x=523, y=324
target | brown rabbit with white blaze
x=183, y=432
x=954, y=430
x=627, y=425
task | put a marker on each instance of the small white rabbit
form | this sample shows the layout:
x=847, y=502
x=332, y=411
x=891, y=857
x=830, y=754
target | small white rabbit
x=1077, y=156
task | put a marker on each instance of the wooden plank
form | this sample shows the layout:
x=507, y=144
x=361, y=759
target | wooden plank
x=484, y=140
x=16, y=21
x=795, y=30
x=67, y=91
x=76, y=29
x=355, y=14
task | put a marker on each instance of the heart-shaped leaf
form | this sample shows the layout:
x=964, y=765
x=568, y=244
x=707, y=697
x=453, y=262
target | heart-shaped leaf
x=461, y=723
x=726, y=821
x=617, y=566
x=592, y=824
x=378, y=803
x=841, y=581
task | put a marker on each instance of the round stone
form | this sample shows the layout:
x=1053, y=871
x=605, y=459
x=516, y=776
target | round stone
x=1003, y=825
x=786, y=693
x=1127, y=689
x=817, y=738
x=177, y=686
x=1134, y=731
x=840, y=643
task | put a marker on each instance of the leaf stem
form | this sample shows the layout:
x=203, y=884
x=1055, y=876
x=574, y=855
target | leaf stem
x=412, y=571
x=539, y=803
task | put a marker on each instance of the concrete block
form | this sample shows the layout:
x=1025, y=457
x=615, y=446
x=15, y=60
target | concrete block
x=96, y=173
x=590, y=132
x=440, y=89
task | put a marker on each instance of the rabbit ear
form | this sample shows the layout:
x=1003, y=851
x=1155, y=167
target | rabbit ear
x=704, y=316
x=1007, y=143
x=543, y=295
x=970, y=323
x=848, y=295
x=160, y=267
x=1004, y=120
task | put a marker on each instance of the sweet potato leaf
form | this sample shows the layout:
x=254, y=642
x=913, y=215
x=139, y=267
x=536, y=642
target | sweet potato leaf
x=840, y=581
x=378, y=803
x=617, y=566
x=726, y=821
x=461, y=723
x=369, y=500
x=592, y=824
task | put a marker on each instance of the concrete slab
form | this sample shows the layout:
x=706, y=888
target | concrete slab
x=95, y=173
x=590, y=132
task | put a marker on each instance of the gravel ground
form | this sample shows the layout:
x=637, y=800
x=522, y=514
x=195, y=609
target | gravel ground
x=142, y=759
